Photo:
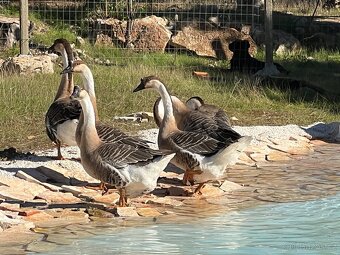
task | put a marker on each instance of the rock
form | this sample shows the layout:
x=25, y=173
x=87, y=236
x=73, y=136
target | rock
x=27, y=65
x=9, y=207
x=29, y=178
x=318, y=142
x=76, y=176
x=211, y=191
x=293, y=150
x=324, y=131
x=96, y=212
x=228, y=186
x=319, y=40
x=14, y=239
x=164, y=201
x=245, y=159
x=200, y=74
x=209, y=43
x=103, y=39
x=148, y=212
x=55, y=174
x=147, y=34
x=58, y=217
x=75, y=190
x=14, y=188
x=258, y=157
x=58, y=197
x=283, y=43
x=28, y=212
x=177, y=191
x=80, y=41
x=277, y=156
x=126, y=212
x=6, y=222
x=110, y=198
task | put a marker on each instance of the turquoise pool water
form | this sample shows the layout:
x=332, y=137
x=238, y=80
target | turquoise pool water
x=311, y=227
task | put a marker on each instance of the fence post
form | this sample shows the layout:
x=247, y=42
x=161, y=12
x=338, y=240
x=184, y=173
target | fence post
x=270, y=68
x=129, y=24
x=24, y=50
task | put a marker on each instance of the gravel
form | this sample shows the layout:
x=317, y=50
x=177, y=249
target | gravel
x=41, y=158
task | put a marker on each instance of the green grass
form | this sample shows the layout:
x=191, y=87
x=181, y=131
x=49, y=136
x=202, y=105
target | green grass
x=25, y=101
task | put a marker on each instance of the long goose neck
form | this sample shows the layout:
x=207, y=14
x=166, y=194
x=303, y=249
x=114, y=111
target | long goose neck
x=169, y=118
x=70, y=84
x=80, y=128
x=180, y=109
x=88, y=83
x=64, y=89
x=89, y=137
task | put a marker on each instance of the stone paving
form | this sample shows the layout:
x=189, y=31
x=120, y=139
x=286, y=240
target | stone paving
x=41, y=193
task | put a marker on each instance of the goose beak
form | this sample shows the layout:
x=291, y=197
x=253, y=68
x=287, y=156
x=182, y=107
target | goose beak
x=68, y=69
x=139, y=87
x=76, y=92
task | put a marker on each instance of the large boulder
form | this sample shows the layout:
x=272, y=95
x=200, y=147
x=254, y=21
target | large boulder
x=27, y=64
x=147, y=34
x=212, y=43
x=283, y=42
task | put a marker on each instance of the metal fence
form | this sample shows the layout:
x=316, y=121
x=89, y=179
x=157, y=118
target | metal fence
x=114, y=23
x=92, y=19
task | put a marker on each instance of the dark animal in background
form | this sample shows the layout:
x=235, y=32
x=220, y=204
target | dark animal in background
x=243, y=62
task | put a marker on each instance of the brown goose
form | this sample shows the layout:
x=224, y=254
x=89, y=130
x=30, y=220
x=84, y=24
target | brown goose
x=62, y=116
x=105, y=132
x=212, y=111
x=131, y=169
x=201, y=156
x=198, y=120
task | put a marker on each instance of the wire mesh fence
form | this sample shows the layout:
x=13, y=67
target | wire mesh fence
x=126, y=24
x=125, y=30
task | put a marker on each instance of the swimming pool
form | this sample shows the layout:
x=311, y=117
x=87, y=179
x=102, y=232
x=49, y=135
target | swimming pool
x=311, y=227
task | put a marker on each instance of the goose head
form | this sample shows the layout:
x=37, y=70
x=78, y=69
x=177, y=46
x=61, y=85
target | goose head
x=61, y=46
x=195, y=102
x=149, y=82
x=79, y=93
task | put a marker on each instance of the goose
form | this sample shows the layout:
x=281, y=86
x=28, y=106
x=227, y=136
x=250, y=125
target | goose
x=200, y=120
x=202, y=157
x=212, y=111
x=62, y=116
x=105, y=132
x=132, y=170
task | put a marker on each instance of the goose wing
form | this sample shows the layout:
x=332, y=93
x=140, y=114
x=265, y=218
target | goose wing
x=60, y=111
x=197, y=142
x=120, y=155
x=220, y=115
x=113, y=135
x=213, y=127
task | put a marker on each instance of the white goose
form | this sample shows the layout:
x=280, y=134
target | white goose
x=201, y=156
x=62, y=116
x=132, y=170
